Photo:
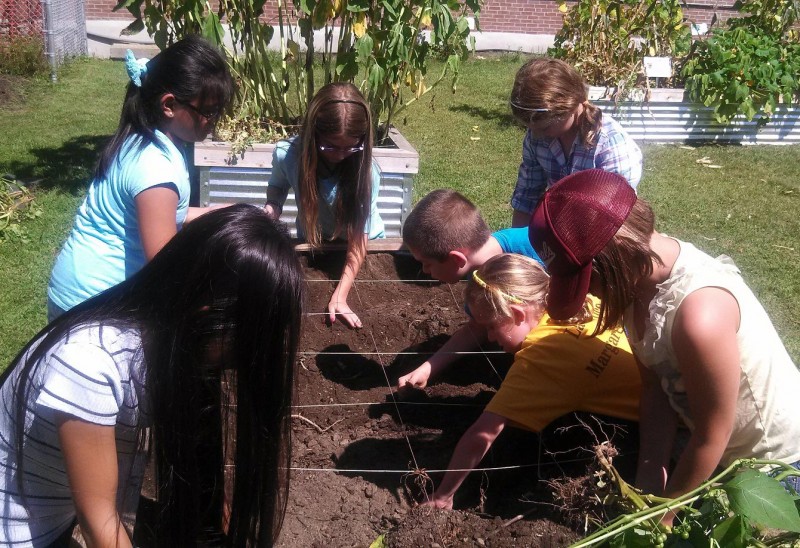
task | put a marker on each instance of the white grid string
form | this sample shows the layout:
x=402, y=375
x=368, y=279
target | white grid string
x=396, y=403
x=389, y=385
x=434, y=471
x=313, y=353
x=389, y=280
x=437, y=470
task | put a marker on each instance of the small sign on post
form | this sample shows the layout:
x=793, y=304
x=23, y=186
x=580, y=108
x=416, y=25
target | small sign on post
x=658, y=67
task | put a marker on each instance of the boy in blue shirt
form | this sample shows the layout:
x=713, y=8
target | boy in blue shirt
x=447, y=234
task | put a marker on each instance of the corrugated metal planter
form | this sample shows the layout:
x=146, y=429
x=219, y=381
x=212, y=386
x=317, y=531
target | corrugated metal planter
x=668, y=117
x=223, y=183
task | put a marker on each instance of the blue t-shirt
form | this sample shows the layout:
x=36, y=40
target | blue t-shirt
x=285, y=176
x=515, y=240
x=104, y=247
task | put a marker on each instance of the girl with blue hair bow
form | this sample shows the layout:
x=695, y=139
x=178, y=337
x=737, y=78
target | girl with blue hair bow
x=139, y=197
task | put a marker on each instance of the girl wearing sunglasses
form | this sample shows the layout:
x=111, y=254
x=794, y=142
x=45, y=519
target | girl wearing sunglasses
x=566, y=133
x=139, y=197
x=335, y=182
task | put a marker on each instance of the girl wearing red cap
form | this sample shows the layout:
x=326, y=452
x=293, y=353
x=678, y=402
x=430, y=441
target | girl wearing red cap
x=709, y=356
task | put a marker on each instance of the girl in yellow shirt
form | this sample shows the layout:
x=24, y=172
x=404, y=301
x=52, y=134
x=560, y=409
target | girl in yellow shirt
x=558, y=366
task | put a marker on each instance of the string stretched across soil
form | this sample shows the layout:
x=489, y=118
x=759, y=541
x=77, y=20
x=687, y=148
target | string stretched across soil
x=363, y=455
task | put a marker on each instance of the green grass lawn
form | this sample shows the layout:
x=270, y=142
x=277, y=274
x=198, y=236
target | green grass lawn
x=52, y=136
x=749, y=209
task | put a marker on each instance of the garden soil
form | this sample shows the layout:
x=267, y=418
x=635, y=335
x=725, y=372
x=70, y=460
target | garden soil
x=364, y=455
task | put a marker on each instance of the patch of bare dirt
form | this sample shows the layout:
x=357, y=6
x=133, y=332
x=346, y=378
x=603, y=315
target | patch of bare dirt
x=362, y=460
x=426, y=526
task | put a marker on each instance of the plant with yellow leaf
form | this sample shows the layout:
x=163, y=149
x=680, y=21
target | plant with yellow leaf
x=607, y=40
x=382, y=46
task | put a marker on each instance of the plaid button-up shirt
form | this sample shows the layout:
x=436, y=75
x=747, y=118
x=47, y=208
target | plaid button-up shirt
x=544, y=162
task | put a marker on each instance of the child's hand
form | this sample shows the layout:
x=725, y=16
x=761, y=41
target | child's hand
x=337, y=307
x=445, y=503
x=416, y=379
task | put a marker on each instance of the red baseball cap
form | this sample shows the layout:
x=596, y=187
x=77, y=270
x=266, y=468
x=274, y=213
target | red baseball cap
x=573, y=222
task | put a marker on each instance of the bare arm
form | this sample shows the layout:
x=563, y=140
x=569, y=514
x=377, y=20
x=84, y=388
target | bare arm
x=276, y=197
x=704, y=338
x=155, y=212
x=658, y=423
x=470, y=450
x=467, y=337
x=195, y=212
x=90, y=456
x=338, y=306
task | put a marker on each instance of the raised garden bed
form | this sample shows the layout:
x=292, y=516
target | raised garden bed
x=667, y=116
x=227, y=180
x=361, y=458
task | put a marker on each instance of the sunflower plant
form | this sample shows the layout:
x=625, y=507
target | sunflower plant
x=382, y=46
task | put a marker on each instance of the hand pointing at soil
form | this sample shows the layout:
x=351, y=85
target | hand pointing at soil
x=416, y=379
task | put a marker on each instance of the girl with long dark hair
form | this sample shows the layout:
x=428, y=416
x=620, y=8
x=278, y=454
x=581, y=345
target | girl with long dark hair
x=192, y=359
x=139, y=197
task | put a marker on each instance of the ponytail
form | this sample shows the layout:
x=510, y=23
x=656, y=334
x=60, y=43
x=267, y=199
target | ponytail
x=189, y=69
x=589, y=124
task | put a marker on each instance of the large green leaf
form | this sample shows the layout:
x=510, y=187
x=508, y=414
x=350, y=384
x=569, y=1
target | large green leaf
x=364, y=48
x=377, y=76
x=346, y=65
x=732, y=532
x=357, y=5
x=126, y=4
x=763, y=500
x=212, y=29
x=307, y=6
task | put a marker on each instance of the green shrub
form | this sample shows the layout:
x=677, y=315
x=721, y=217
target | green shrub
x=751, y=65
x=745, y=71
x=22, y=55
x=381, y=46
x=606, y=40
x=16, y=205
x=740, y=507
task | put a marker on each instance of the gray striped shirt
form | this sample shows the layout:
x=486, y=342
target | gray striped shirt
x=94, y=374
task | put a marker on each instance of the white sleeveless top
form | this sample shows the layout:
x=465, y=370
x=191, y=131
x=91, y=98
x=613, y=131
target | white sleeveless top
x=767, y=423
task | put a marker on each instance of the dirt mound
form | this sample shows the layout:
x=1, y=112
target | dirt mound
x=10, y=91
x=434, y=528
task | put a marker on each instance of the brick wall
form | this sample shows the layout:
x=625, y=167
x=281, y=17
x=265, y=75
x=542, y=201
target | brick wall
x=523, y=16
x=543, y=17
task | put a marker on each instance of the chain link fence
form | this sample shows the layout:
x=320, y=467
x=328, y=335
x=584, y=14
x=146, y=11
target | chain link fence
x=60, y=24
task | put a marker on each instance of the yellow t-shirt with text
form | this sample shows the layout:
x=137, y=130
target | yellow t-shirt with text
x=561, y=369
